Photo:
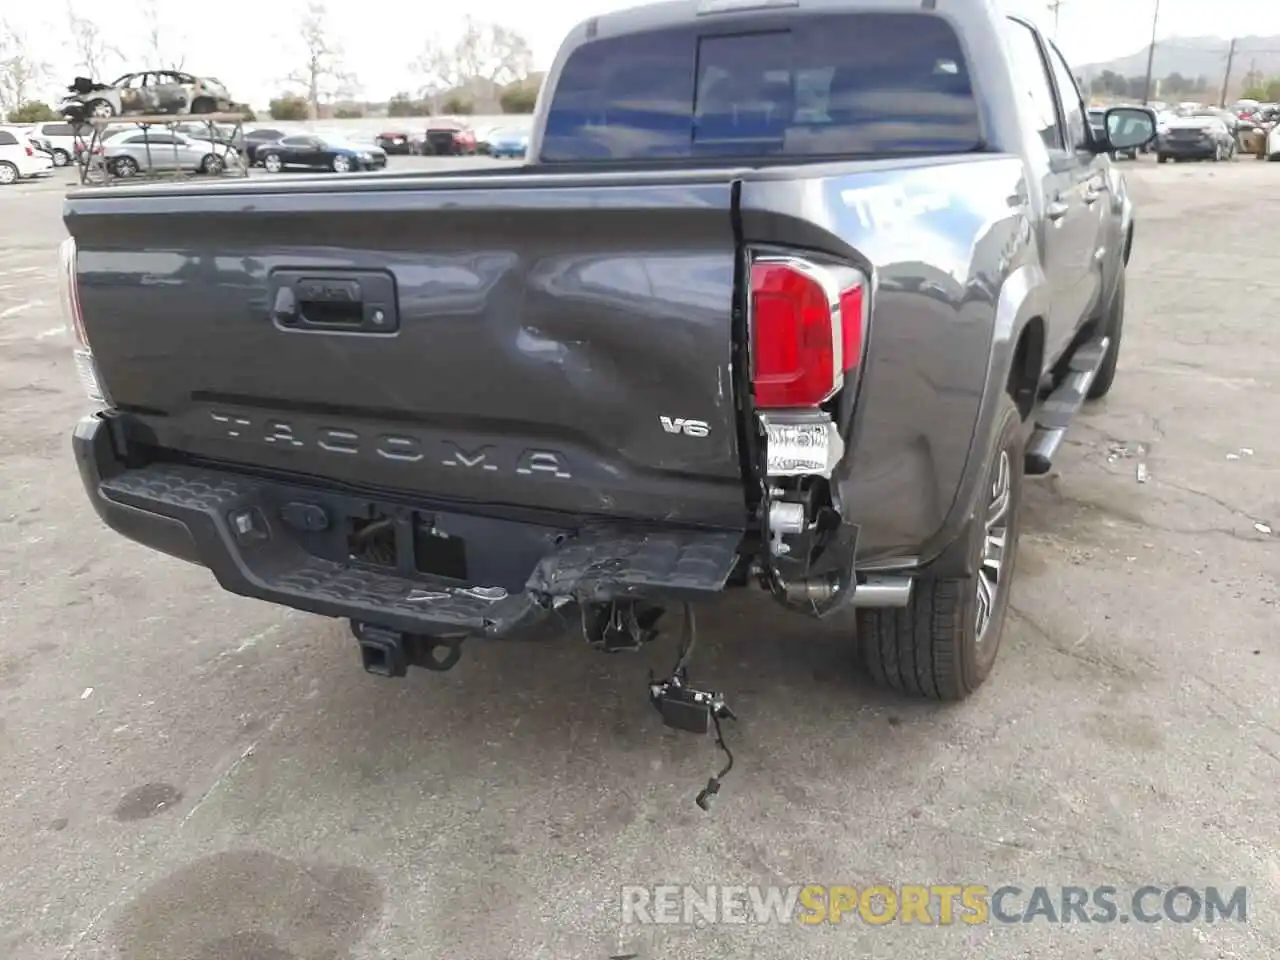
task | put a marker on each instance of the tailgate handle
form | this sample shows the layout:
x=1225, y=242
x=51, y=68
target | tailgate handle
x=330, y=303
x=340, y=304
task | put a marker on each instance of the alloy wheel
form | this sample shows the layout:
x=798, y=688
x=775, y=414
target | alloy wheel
x=995, y=538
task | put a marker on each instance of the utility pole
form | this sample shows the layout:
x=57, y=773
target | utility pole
x=1055, y=7
x=1151, y=54
x=1226, y=81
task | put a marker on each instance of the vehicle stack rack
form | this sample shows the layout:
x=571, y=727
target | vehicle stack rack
x=96, y=169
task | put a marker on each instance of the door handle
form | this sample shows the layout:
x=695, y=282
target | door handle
x=1092, y=195
x=1056, y=210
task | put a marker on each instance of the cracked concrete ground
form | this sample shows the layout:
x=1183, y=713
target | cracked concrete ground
x=187, y=774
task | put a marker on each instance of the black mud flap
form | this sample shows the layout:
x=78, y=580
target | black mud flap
x=231, y=529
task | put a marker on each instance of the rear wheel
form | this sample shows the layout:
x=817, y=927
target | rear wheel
x=1161, y=158
x=204, y=105
x=60, y=157
x=212, y=165
x=943, y=645
x=126, y=166
x=272, y=162
x=8, y=173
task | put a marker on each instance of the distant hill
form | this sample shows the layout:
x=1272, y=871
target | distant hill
x=1197, y=57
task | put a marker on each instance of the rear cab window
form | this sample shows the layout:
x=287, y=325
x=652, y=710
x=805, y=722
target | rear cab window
x=819, y=85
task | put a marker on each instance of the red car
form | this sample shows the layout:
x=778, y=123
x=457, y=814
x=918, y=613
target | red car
x=395, y=141
x=448, y=138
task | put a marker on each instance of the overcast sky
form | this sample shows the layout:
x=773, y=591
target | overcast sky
x=250, y=44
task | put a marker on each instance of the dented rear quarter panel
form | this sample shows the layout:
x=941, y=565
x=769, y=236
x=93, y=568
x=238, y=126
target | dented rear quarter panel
x=951, y=258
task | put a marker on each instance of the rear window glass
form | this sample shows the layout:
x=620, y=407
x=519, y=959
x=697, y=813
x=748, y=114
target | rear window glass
x=872, y=83
x=7, y=139
x=58, y=130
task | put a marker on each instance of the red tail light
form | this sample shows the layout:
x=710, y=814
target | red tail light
x=69, y=291
x=82, y=354
x=30, y=152
x=806, y=330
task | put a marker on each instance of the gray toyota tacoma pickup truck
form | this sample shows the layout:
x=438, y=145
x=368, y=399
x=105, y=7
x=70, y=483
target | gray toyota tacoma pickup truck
x=789, y=294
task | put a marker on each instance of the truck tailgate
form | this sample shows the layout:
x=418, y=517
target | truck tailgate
x=524, y=340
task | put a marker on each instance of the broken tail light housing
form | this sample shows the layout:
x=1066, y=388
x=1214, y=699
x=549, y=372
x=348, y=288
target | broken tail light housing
x=808, y=328
x=69, y=294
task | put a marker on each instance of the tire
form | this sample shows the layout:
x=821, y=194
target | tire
x=272, y=162
x=1161, y=158
x=125, y=167
x=204, y=105
x=212, y=165
x=341, y=165
x=61, y=158
x=1113, y=327
x=8, y=173
x=933, y=648
x=100, y=108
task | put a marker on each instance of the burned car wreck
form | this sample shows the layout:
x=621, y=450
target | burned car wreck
x=147, y=92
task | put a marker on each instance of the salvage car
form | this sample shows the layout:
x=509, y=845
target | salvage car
x=397, y=142
x=318, y=152
x=508, y=143
x=813, y=353
x=447, y=138
x=20, y=157
x=61, y=139
x=257, y=138
x=148, y=92
x=1196, y=137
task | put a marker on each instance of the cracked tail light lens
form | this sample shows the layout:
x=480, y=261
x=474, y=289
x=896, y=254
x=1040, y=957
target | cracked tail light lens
x=806, y=330
x=69, y=294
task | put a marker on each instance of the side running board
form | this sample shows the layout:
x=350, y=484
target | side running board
x=1059, y=408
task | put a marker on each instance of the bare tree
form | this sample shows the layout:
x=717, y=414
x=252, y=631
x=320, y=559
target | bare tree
x=483, y=51
x=162, y=51
x=323, y=76
x=20, y=73
x=93, y=52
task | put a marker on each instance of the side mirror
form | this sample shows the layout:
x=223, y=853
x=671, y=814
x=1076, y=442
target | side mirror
x=1128, y=128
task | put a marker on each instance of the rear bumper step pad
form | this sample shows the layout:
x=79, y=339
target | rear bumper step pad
x=190, y=512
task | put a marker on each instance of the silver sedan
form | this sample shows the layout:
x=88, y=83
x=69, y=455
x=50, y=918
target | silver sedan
x=133, y=151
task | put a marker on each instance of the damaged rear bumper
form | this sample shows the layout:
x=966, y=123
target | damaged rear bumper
x=259, y=540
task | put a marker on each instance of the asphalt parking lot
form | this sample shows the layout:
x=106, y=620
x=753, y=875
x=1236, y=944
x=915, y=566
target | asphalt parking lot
x=186, y=774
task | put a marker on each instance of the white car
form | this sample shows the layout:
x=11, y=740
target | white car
x=19, y=158
x=61, y=138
